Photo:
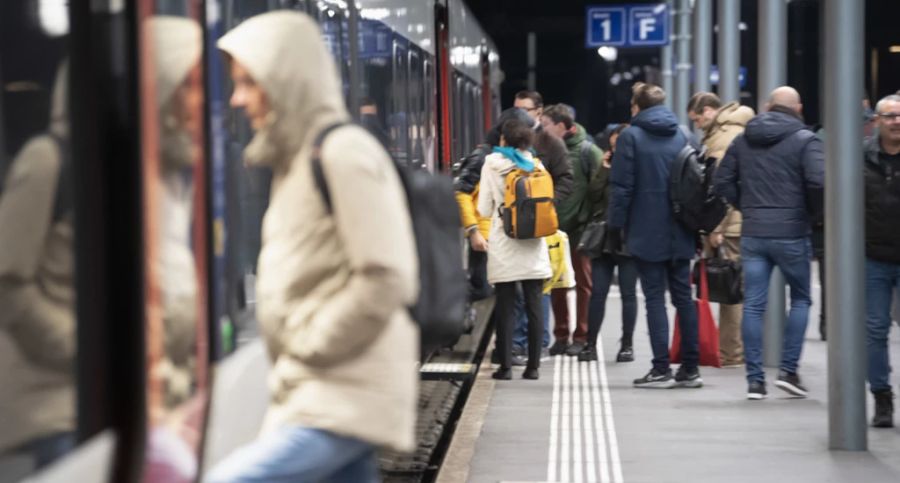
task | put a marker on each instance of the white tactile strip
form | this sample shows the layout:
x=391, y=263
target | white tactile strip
x=583, y=444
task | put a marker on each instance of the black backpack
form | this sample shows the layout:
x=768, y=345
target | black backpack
x=694, y=204
x=443, y=287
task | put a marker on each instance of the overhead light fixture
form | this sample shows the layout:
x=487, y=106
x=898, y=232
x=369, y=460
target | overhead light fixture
x=610, y=54
x=895, y=49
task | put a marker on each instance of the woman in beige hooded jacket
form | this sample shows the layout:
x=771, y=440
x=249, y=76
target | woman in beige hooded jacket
x=332, y=288
x=37, y=297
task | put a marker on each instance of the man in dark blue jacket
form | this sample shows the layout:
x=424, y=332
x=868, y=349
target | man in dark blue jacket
x=662, y=248
x=774, y=174
x=882, y=175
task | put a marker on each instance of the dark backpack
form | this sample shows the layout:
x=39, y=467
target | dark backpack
x=443, y=287
x=694, y=204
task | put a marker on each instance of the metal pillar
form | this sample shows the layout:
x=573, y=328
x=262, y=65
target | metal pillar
x=532, y=61
x=702, y=43
x=772, y=51
x=845, y=308
x=683, y=56
x=729, y=43
x=666, y=60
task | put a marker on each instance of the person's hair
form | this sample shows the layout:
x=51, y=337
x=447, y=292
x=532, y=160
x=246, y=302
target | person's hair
x=367, y=101
x=558, y=113
x=702, y=100
x=618, y=130
x=533, y=95
x=517, y=134
x=645, y=96
x=886, y=99
x=568, y=108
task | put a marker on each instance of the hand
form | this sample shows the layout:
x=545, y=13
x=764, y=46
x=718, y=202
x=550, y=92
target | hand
x=716, y=240
x=479, y=244
x=607, y=159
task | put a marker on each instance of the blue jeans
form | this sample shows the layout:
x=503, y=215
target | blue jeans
x=760, y=256
x=296, y=453
x=520, y=332
x=654, y=278
x=881, y=280
x=602, y=269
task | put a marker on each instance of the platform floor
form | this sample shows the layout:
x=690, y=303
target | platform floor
x=585, y=422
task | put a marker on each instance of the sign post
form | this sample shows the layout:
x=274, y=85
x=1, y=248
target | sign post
x=638, y=25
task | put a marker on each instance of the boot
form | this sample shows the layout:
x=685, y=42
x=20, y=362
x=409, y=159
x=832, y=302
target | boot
x=884, y=409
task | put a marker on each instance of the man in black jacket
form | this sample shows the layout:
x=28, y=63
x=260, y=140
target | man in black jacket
x=882, y=178
x=774, y=174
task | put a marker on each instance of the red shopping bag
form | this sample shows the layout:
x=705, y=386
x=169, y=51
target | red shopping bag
x=708, y=332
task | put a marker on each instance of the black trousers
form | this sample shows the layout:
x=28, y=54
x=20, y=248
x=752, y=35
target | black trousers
x=505, y=312
x=479, y=288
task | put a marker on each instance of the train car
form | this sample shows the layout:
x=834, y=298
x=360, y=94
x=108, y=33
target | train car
x=149, y=251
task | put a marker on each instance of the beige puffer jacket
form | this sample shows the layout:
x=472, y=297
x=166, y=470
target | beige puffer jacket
x=331, y=289
x=37, y=294
x=730, y=121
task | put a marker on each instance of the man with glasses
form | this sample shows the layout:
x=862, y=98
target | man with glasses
x=882, y=179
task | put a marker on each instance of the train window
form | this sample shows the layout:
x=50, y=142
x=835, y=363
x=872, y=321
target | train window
x=430, y=100
x=399, y=117
x=416, y=108
x=333, y=20
x=457, y=110
x=173, y=163
x=37, y=276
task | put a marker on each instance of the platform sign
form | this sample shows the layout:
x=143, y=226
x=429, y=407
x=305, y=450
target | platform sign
x=636, y=25
x=606, y=26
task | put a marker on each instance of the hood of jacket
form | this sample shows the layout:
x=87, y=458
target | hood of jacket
x=772, y=127
x=657, y=120
x=576, y=138
x=284, y=53
x=732, y=114
x=177, y=45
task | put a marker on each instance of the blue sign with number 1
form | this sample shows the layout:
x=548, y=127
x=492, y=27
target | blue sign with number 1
x=638, y=25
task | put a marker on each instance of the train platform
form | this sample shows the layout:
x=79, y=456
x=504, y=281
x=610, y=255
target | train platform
x=584, y=422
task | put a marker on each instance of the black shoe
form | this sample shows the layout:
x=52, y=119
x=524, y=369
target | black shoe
x=558, y=347
x=587, y=354
x=686, y=377
x=504, y=374
x=884, y=409
x=575, y=349
x=790, y=383
x=756, y=390
x=626, y=354
x=656, y=380
x=518, y=361
x=531, y=373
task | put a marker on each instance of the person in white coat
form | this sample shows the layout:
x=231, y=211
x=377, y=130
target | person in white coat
x=512, y=261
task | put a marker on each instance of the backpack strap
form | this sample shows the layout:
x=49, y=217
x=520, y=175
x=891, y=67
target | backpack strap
x=584, y=156
x=318, y=172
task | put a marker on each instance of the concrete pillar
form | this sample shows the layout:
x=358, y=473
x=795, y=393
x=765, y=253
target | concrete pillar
x=844, y=205
x=683, y=56
x=729, y=43
x=703, y=24
x=666, y=54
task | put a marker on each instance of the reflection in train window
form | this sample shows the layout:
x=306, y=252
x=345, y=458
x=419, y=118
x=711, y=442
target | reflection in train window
x=399, y=117
x=38, y=342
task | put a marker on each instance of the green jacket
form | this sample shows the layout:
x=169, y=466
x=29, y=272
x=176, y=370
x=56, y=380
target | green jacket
x=575, y=211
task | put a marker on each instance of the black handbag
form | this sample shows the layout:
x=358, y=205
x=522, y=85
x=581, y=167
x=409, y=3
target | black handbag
x=593, y=239
x=724, y=280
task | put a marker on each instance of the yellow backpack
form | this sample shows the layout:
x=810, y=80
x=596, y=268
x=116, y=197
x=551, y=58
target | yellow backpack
x=528, y=210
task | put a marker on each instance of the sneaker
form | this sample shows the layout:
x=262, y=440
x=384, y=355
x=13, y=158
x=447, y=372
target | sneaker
x=545, y=354
x=575, y=349
x=587, y=354
x=790, y=383
x=518, y=360
x=756, y=390
x=626, y=354
x=656, y=380
x=884, y=409
x=558, y=347
x=686, y=377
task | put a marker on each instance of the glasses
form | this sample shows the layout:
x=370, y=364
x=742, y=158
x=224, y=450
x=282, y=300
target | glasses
x=890, y=116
